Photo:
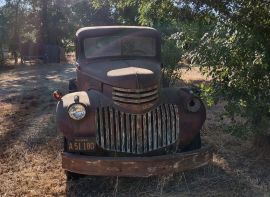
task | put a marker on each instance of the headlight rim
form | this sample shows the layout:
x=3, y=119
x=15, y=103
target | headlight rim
x=197, y=105
x=73, y=104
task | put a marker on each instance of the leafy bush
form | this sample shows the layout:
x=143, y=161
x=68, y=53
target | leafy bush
x=171, y=55
x=237, y=62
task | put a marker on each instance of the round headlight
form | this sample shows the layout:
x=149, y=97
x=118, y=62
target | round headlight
x=77, y=111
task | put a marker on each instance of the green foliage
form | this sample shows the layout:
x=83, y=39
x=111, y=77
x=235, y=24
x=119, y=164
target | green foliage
x=171, y=55
x=126, y=11
x=239, y=130
x=3, y=35
x=3, y=27
x=237, y=60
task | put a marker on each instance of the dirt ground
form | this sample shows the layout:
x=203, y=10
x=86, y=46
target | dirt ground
x=30, y=148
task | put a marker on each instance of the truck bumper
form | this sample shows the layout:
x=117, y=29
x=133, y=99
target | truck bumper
x=136, y=166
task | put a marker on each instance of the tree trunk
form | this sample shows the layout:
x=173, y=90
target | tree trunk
x=16, y=39
x=44, y=22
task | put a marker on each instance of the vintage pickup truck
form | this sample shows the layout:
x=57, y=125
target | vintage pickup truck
x=117, y=120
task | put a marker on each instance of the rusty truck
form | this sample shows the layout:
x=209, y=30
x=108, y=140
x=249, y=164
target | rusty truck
x=117, y=119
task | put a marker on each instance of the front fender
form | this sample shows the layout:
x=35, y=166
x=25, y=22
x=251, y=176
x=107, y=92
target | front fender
x=190, y=122
x=75, y=128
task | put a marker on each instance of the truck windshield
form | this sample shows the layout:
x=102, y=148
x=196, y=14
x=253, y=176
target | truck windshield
x=119, y=46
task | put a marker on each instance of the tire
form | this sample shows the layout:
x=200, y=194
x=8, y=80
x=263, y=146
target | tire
x=72, y=86
x=195, y=144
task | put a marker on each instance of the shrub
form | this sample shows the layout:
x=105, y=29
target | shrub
x=171, y=55
x=237, y=60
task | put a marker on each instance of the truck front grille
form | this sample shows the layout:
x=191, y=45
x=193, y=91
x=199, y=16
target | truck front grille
x=134, y=96
x=137, y=133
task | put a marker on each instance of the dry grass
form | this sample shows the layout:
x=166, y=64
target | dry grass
x=30, y=162
x=193, y=76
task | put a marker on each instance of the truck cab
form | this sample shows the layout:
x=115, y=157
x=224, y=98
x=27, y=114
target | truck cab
x=117, y=119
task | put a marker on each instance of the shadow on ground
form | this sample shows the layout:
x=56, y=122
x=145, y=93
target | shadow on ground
x=27, y=91
x=207, y=181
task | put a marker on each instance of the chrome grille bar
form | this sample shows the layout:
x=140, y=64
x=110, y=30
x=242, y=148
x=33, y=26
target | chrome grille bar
x=134, y=96
x=123, y=132
x=145, y=143
x=135, y=90
x=135, y=100
x=128, y=130
x=107, y=130
x=137, y=133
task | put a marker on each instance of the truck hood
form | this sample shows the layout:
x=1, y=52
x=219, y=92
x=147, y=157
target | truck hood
x=131, y=74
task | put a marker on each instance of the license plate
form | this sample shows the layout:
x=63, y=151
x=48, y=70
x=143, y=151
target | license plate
x=81, y=144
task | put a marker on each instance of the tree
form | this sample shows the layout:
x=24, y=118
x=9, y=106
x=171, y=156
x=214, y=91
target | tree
x=235, y=53
x=11, y=11
x=3, y=34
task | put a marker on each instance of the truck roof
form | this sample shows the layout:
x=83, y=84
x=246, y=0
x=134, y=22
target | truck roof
x=108, y=30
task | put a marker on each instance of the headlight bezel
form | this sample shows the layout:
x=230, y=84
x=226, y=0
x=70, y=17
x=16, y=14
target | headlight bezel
x=72, y=115
x=194, y=105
